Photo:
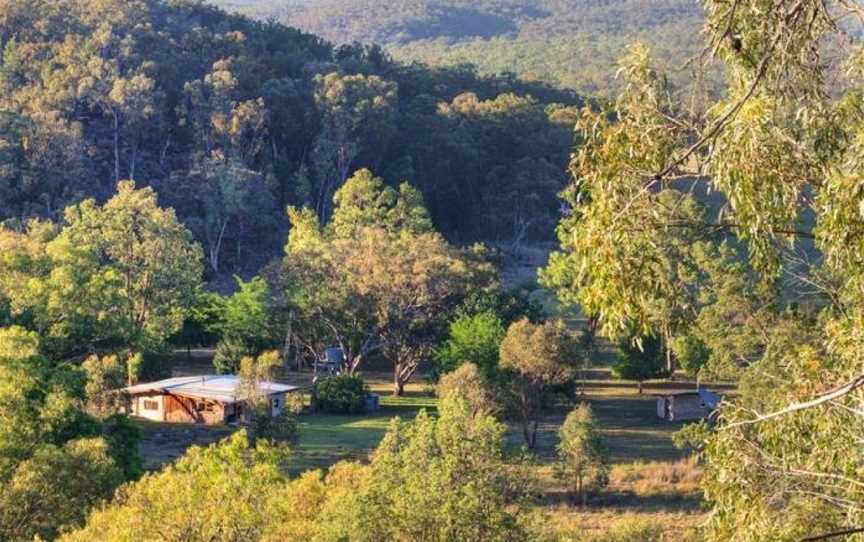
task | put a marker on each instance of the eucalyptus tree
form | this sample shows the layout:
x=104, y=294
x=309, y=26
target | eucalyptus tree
x=376, y=278
x=538, y=356
x=783, y=147
x=119, y=273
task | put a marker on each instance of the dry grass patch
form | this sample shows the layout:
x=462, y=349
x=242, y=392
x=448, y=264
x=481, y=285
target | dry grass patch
x=612, y=525
x=651, y=478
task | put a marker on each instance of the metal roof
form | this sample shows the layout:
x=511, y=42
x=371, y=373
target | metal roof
x=222, y=388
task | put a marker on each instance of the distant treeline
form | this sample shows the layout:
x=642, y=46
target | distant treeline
x=568, y=43
x=232, y=119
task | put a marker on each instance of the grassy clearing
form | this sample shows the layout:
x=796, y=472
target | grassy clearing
x=653, y=492
x=326, y=439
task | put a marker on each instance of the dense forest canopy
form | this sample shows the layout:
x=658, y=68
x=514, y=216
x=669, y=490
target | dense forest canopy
x=230, y=120
x=569, y=43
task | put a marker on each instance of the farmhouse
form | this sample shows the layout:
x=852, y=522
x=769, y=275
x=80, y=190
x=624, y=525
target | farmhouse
x=687, y=405
x=211, y=399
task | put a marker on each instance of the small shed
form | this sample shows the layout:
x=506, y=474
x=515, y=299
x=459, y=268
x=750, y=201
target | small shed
x=209, y=399
x=687, y=405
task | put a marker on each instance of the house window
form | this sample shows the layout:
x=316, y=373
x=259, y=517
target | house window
x=276, y=403
x=151, y=405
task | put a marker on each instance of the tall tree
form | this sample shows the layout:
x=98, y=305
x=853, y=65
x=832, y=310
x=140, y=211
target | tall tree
x=376, y=278
x=121, y=272
x=782, y=146
x=581, y=460
x=538, y=356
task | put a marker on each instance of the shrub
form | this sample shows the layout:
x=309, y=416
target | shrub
x=295, y=403
x=229, y=353
x=341, y=394
x=474, y=339
x=278, y=429
x=640, y=364
x=468, y=383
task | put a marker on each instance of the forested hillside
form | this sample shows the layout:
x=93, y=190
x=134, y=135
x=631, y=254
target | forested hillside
x=570, y=43
x=230, y=120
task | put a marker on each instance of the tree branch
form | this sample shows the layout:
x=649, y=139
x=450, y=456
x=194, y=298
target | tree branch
x=826, y=397
x=834, y=534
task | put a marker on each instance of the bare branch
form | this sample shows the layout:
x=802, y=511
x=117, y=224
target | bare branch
x=826, y=397
x=833, y=534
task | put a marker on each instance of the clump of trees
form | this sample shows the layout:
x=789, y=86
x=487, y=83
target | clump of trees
x=231, y=120
x=121, y=273
x=376, y=279
x=782, y=311
x=430, y=479
x=56, y=460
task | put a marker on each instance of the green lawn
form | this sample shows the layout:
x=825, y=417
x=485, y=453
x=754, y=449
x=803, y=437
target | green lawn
x=326, y=439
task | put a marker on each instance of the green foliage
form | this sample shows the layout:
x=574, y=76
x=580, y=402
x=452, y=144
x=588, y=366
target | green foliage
x=254, y=373
x=228, y=355
x=245, y=313
x=537, y=358
x=202, y=324
x=544, y=39
x=170, y=501
x=55, y=487
x=121, y=273
x=363, y=202
x=581, y=461
x=105, y=376
x=245, y=324
x=692, y=436
x=53, y=463
x=508, y=305
x=122, y=436
x=438, y=480
x=472, y=339
x=341, y=394
x=779, y=152
x=279, y=429
x=471, y=385
x=387, y=287
x=640, y=359
x=430, y=479
x=690, y=352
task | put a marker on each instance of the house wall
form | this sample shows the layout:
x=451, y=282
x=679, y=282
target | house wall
x=277, y=404
x=137, y=404
x=661, y=407
x=687, y=407
x=188, y=410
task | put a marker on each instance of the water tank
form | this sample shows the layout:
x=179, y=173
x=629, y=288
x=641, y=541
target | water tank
x=333, y=356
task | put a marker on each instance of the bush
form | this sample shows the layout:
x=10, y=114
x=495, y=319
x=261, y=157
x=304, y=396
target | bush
x=640, y=364
x=468, y=383
x=475, y=339
x=342, y=394
x=277, y=429
x=229, y=353
x=123, y=436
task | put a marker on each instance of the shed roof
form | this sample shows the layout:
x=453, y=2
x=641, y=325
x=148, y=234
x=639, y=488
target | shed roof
x=679, y=393
x=711, y=399
x=222, y=388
